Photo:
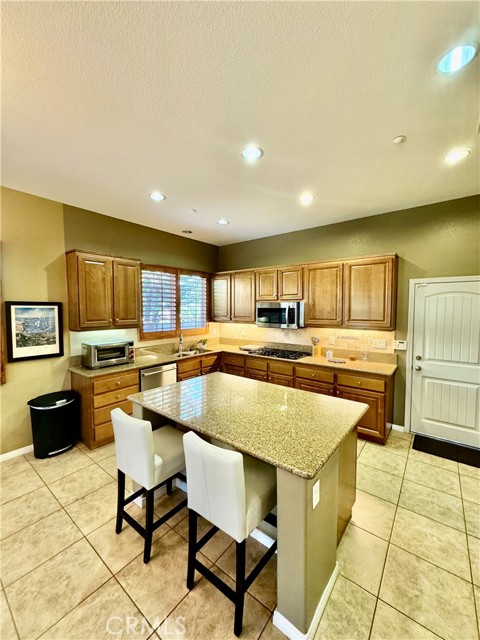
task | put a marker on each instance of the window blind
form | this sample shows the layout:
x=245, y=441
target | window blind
x=193, y=301
x=159, y=300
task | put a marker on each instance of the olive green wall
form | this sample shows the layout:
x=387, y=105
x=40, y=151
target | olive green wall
x=33, y=269
x=436, y=240
x=96, y=232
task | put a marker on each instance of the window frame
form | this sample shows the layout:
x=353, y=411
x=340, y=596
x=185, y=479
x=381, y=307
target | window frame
x=159, y=335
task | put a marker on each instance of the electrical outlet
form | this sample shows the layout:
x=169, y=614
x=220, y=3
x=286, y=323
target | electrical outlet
x=316, y=494
x=400, y=345
x=331, y=340
x=379, y=344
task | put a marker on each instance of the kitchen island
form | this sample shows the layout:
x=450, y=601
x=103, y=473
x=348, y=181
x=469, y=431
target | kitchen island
x=311, y=440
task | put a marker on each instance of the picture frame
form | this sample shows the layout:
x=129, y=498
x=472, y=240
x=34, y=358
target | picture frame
x=33, y=330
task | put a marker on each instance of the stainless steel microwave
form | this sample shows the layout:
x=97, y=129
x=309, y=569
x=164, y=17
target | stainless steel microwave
x=107, y=354
x=280, y=315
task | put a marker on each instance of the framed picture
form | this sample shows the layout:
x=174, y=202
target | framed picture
x=34, y=330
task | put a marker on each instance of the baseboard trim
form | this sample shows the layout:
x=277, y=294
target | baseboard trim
x=398, y=427
x=17, y=452
x=287, y=628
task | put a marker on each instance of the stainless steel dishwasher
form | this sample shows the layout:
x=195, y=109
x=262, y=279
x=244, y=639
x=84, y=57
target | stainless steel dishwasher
x=160, y=376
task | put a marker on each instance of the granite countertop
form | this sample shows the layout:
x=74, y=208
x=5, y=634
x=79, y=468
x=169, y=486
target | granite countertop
x=147, y=358
x=295, y=430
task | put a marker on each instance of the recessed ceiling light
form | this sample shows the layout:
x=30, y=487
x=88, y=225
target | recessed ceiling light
x=307, y=198
x=252, y=153
x=457, y=58
x=193, y=210
x=187, y=232
x=456, y=155
x=223, y=221
x=157, y=196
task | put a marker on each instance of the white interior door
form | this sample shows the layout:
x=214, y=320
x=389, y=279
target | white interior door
x=445, y=383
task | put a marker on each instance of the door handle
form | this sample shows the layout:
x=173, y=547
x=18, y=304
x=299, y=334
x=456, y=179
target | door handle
x=418, y=368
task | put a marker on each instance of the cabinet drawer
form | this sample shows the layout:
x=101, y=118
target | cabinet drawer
x=117, y=382
x=233, y=359
x=185, y=366
x=113, y=397
x=256, y=363
x=314, y=374
x=103, y=431
x=103, y=415
x=282, y=368
x=361, y=383
x=210, y=361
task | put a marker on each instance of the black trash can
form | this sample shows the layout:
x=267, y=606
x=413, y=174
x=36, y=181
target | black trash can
x=55, y=422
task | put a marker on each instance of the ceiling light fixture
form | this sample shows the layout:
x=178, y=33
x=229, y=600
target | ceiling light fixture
x=252, y=153
x=306, y=198
x=457, y=58
x=193, y=210
x=399, y=139
x=187, y=232
x=157, y=196
x=223, y=221
x=456, y=155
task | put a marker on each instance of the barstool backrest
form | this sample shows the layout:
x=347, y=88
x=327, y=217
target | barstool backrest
x=216, y=485
x=134, y=448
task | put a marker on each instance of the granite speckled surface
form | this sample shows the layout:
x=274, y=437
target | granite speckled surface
x=292, y=429
x=151, y=358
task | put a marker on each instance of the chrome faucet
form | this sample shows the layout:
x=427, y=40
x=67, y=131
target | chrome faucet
x=180, y=344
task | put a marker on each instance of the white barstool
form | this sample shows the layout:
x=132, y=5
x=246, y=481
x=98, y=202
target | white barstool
x=235, y=493
x=151, y=459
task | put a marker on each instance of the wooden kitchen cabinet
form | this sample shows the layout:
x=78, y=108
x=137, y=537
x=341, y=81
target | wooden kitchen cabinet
x=324, y=294
x=233, y=364
x=256, y=368
x=198, y=366
x=99, y=395
x=103, y=291
x=377, y=392
x=283, y=283
x=281, y=373
x=370, y=287
x=233, y=297
x=315, y=379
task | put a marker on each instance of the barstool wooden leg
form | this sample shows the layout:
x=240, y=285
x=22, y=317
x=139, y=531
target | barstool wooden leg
x=120, y=500
x=148, y=525
x=192, y=543
x=240, y=588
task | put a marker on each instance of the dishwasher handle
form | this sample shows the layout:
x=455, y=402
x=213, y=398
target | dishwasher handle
x=152, y=373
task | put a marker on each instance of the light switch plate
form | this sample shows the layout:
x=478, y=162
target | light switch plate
x=316, y=494
x=379, y=344
x=331, y=340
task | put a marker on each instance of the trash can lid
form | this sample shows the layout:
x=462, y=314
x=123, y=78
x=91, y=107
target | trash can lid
x=55, y=399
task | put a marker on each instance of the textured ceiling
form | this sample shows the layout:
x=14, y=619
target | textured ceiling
x=103, y=102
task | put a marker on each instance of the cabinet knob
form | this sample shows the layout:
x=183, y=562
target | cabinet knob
x=118, y=383
x=117, y=397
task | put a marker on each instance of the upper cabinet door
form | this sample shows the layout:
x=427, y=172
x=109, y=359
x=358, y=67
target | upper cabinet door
x=323, y=294
x=266, y=280
x=370, y=293
x=221, y=298
x=243, y=296
x=290, y=283
x=94, y=274
x=126, y=292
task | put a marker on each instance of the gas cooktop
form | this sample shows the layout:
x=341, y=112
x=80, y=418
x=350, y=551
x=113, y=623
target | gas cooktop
x=281, y=353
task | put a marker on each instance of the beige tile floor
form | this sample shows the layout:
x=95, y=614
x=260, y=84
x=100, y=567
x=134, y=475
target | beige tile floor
x=409, y=559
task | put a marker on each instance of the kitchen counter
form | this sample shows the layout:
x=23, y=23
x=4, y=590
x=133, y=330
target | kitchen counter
x=151, y=359
x=295, y=430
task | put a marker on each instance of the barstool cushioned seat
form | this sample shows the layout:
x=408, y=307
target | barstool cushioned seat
x=151, y=459
x=235, y=493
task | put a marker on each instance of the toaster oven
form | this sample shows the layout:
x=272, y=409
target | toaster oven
x=107, y=354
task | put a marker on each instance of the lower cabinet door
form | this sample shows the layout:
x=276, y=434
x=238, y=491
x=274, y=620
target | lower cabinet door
x=256, y=375
x=235, y=371
x=284, y=381
x=372, y=424
x=316, y=387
